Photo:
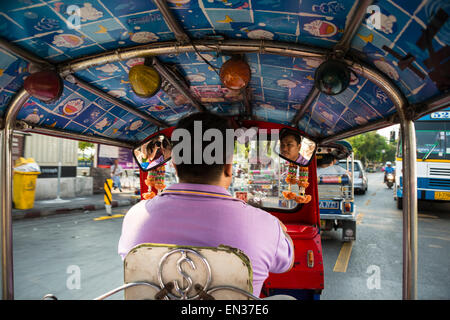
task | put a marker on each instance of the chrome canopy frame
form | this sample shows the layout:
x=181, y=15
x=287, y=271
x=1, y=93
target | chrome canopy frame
x=405, y=115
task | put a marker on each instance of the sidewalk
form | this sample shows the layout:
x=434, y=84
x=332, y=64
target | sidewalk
x=87, y=203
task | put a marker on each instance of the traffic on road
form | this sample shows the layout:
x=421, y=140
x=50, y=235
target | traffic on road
x=77, y=255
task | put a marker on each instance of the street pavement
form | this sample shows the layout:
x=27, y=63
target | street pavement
x=74, y=256
x=70, y=205
x=374, y=260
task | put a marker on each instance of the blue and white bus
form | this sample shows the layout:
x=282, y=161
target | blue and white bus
x=433, y=158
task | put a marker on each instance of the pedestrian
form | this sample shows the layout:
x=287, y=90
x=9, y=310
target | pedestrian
x=116, y=173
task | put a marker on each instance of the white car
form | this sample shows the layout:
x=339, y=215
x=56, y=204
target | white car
x=360, y=180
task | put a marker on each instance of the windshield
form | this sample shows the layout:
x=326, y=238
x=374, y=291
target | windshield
x=343, y=164
x=259, y=175
x=433, y=140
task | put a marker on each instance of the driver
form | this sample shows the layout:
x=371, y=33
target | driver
x=388, y=169
x=199, y=211
x=159, y=151
x=290, y=145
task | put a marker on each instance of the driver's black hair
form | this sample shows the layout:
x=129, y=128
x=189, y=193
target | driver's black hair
x=286, y=133
x=202, y=173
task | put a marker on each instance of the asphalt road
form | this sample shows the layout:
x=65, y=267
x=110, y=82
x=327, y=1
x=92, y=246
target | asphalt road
x=75, y=257
x=374, y=260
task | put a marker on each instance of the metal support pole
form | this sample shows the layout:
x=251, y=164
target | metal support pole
x=58, y=187
x=6, y=195
x=178, y=84
x=409, y=210
x=171, y=21
x=409, y=176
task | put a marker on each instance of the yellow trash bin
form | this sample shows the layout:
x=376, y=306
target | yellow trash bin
x=24, y=186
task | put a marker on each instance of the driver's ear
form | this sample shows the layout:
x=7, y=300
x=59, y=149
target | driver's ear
x=228, y=169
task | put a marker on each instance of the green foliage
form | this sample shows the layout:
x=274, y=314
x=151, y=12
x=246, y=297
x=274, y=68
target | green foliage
x=368, y=147
x=84, y=145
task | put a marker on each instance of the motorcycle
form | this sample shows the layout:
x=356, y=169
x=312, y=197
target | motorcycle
x=390, y=180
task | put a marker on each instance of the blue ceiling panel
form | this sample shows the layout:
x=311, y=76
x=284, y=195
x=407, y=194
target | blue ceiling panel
x=407, y=40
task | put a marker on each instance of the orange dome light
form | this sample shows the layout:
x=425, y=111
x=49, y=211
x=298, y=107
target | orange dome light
x=235, y=73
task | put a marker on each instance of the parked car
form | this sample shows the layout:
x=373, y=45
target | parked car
x=360, y=180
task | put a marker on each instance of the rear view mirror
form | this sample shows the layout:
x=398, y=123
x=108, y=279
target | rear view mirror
x=153, y=153
x=295, y=148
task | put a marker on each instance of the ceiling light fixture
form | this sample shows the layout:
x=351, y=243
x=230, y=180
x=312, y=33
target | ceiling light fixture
x=332, y=77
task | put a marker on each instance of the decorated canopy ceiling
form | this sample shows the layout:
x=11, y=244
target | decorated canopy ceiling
x=407, y=41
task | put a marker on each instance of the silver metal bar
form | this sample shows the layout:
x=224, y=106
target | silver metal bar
x=177, y=83
x=25, y=55
x=431, y=105
x=117, y=102
x=312, y=96
x=171, y=47
x=6, y=195
x=374, y=125
x=409, y=175
x=382, y=81
x=71, y=135
x=353, y=175
x=409, y=291
x=355, y=17
x=171, y=21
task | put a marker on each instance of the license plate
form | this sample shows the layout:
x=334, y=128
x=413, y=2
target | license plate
x=442, y=195
x=326, y=204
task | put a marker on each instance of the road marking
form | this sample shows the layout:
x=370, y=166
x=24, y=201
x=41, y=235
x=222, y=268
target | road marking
x=434, y=237
x=359, y=218
x=109, y=217
x=367, y=202
x=434, y=246
x=344, y=257
x=421, y=215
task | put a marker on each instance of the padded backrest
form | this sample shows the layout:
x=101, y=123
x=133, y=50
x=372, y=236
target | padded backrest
x=185, y=267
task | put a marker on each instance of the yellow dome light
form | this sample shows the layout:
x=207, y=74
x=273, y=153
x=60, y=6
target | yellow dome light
x=145, y=80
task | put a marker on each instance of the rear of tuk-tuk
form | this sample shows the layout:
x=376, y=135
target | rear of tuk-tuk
x=326, y=70
x=336, y=191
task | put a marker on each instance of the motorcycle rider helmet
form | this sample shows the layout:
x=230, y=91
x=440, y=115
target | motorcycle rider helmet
x=388, y=163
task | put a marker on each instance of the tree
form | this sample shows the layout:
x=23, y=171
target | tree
x=368, y=147
x=83, y=147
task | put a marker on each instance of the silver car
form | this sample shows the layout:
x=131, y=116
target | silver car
x=360, y=180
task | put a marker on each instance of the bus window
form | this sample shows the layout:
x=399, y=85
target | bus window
x=433, y=140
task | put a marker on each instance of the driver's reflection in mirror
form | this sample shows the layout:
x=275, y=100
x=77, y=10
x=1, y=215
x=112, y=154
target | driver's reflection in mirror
x=292, y=148
x=154, y=152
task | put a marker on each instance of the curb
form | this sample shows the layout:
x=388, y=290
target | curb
x=37, y=213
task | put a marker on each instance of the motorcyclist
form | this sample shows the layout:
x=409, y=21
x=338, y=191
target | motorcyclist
x=388, y=169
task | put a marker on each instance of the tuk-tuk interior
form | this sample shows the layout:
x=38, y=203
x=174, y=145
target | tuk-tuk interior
x=65, y=71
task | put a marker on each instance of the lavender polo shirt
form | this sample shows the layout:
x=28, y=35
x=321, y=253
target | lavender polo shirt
x=207, y=215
